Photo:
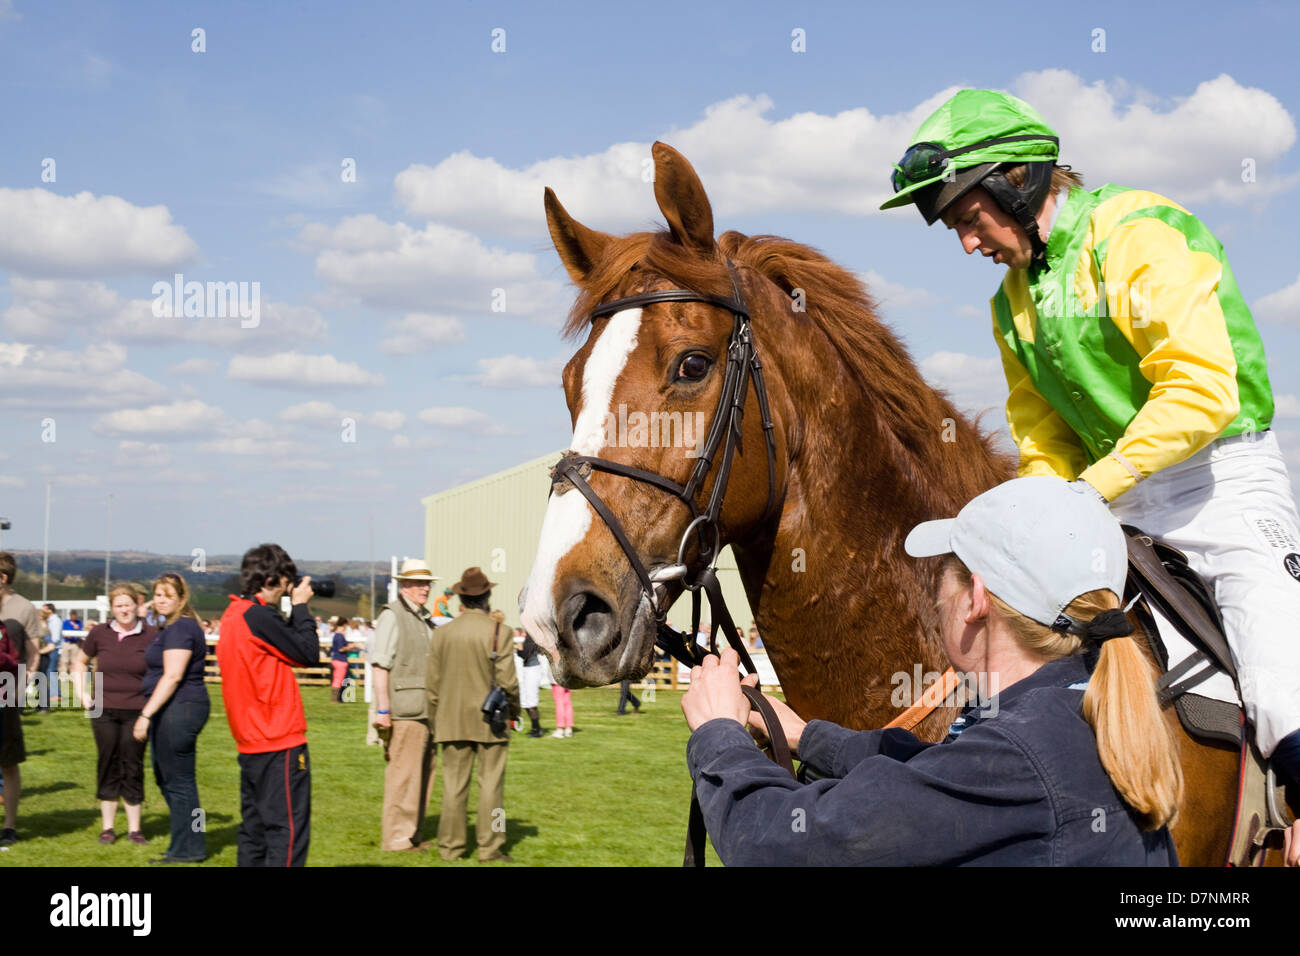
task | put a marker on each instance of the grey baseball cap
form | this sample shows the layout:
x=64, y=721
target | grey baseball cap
x=1037, y=542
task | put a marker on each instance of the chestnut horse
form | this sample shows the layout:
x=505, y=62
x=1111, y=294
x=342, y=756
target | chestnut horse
x=864, y=450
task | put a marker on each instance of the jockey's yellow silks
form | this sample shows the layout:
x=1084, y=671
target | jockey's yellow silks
x=1133, y=350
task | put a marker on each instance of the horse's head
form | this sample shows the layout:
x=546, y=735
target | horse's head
x=643, y=392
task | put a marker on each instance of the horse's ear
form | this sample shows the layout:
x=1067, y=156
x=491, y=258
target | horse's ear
x=682, y=199
x=580, y=248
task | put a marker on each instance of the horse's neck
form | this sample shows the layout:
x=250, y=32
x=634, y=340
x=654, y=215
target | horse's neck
x=844, y=613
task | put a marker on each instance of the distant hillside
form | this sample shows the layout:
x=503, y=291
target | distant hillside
x=80, y=574
x=133, y=565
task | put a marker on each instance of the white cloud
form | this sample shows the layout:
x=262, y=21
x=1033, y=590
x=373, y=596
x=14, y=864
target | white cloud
x=974, y=384
x=12, y=481
x=47, y=309
x=461, y=417
x=387, y=266
x=1280, y=306
x=751, y=161
x=315, y=185
x=75, y=480
x=896, y=296
x=1191, y=150
x=175, y=420
x=194, y=366
x=139, y=454
x=274, y=450
x=519, y=371
x=403, y=443
x=45, y=234
x=327, y=415
x=297, y=370
x=7, y=11
x=421, y=332
x=94, y=378
x=1286, y=406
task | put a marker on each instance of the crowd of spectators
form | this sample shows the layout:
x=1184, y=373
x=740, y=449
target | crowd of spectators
x=149, y=661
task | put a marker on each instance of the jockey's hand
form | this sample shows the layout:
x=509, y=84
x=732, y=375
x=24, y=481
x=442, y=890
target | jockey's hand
x=792, y=724
x=715, y=692
x=1291, y=845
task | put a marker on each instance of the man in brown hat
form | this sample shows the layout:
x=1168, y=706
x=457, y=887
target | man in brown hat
x=471, y=655
x=399, y=657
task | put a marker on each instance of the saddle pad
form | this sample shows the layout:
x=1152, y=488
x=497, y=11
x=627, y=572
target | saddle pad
x=1213, y=708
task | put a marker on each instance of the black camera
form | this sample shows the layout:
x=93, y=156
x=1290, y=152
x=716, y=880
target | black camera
x=323, y=589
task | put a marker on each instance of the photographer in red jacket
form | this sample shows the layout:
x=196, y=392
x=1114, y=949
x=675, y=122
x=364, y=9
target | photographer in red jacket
x=257, y=652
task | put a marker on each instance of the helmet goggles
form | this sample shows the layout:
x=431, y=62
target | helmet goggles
x=925, y=162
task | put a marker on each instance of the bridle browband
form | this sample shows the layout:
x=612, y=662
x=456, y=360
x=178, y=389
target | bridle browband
x=725, y=432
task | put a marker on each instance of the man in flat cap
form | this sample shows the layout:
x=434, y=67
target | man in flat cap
x=399, y=657
x=471, y=655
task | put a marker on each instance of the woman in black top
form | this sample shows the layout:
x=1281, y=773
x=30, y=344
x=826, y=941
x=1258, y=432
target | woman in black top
x=175, y=713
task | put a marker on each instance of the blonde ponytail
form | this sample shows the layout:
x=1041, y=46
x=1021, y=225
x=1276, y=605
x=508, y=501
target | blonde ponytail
x=1137, y=747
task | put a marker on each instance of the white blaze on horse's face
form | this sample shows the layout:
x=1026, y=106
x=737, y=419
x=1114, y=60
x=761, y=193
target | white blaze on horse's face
x=568, y=516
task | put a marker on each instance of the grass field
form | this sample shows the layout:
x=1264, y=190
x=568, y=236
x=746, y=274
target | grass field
x=614, y=794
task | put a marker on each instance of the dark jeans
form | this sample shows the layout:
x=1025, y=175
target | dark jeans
x=173, y=734
x=624, y=695
x=121, y=756
x=49, y=665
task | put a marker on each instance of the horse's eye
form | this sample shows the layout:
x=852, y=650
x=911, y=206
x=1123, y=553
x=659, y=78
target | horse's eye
x=693, y=367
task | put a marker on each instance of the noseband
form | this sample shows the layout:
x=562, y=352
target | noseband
x=725, y=431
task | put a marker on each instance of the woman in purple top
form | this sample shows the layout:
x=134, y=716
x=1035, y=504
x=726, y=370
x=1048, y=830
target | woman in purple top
x=174, y=714
x=118, y=649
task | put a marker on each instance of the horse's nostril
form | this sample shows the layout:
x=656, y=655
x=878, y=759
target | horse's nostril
x=591, y=624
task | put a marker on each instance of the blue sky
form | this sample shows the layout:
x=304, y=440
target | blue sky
x=376, y=295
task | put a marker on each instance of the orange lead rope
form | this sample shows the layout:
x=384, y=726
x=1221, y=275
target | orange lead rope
x=931, y=698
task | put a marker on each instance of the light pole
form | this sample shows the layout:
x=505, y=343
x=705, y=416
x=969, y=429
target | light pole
x=45, y=564
x=372, y=567
x=108, y=544
x=4, y=526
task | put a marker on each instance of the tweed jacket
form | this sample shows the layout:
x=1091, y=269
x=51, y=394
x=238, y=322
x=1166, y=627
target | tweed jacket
x=460, y=677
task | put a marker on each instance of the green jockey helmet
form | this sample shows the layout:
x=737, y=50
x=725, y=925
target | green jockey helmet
x=970, y=141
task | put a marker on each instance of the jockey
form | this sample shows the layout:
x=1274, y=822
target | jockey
x=1134, y=366
x=441, y=607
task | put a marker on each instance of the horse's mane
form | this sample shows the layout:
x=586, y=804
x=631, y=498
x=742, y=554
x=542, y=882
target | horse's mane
x=911, y=413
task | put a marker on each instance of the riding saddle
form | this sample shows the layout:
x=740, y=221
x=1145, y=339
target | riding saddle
x=1185, y=631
